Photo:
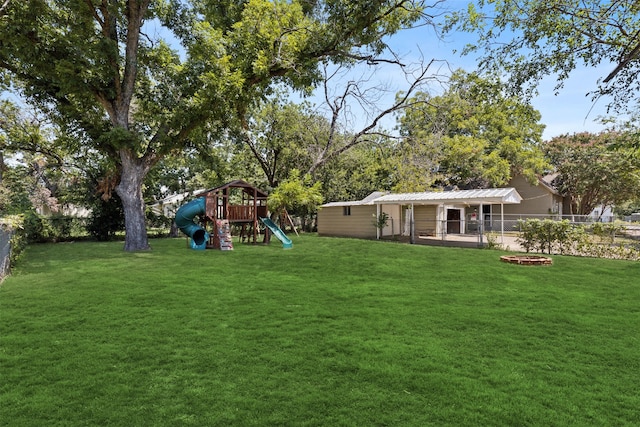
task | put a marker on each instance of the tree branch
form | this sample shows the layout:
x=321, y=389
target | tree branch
x=94, y=12
x=135, y=16
x=329, y=152
x=629, y=58
x=4, y=8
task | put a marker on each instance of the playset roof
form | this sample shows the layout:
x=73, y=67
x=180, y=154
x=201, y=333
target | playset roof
x=238, y=183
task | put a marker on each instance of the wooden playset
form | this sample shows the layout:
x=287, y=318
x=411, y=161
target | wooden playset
x=234, y=203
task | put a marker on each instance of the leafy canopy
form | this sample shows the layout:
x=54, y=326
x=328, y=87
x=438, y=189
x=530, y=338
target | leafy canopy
x=473, y=135
x=296, y=194
x=594, y=169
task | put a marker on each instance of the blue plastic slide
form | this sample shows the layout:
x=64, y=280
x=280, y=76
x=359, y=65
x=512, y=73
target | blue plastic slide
x=286, y=242
x=184, y=221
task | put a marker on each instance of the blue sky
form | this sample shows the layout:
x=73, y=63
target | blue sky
x=570, y=111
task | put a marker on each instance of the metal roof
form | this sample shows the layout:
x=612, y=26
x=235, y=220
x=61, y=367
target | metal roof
x=366, y=201
x=484, y=196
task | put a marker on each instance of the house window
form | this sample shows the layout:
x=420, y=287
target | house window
x=346, y=210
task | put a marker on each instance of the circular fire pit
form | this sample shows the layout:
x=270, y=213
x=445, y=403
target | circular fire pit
x=526, y=259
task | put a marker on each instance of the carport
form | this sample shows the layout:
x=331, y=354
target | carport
x=446, y=203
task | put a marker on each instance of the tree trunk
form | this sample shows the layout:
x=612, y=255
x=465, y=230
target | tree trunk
x=129, y=189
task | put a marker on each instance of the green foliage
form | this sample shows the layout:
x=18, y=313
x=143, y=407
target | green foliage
x=107, y=219
x=36, y=228
x=126, y=93
x=189, y=170
x=381, y=221
x=17, y=184
x=627, y=208
x=15, y=225
x=474, y=135
x=545, y=235
x=45, y=170
x=607, y=231
x=283, y=136
x=5, y=198
x=297, y=195
x=158, y=221
x=594, y=170
x=358, y=172
x=563, y=237
x=65, y=228
x=492, y=241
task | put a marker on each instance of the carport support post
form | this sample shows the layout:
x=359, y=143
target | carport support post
x=377, y=218
x=481, y=227
x=502, y=223
x=413, y=226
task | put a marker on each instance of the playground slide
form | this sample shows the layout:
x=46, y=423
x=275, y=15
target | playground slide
x=184, y=221
x=286, y=242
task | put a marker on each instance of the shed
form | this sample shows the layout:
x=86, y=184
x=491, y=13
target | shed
x=355, y=218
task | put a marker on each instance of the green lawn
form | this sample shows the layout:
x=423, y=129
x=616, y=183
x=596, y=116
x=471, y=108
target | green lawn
x=334, y=332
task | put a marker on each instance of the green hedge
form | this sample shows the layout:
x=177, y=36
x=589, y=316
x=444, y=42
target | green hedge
x=563, y=237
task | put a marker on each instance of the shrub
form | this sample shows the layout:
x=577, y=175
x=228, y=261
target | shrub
x=107, y=218
x=607, y=231
x=562, y=237
x=33, y=226
x=381, y=221
x=545, y=235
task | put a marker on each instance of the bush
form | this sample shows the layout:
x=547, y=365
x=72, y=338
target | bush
x=546, y=235
x=56, y=228
x=606, y=231
x=157, y=221
x=107, y=218
x=562, y=237
x=34, y=227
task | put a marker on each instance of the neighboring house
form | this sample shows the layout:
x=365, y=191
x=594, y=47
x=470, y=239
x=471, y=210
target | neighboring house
x=438, y=214
x=415, y=214
x=545, y=201
x=66, y=210
x=537, y=200
x=168, y=206
x=602, y=214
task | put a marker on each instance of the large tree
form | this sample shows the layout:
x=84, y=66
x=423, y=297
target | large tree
x=473, y=135
x=595, y=169
x=277, y=138
x=534, y=38
x=114, y=82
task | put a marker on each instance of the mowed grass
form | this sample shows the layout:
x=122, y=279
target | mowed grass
x=335, y=332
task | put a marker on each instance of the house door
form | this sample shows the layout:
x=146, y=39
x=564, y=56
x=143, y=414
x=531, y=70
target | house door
x=453, y=221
